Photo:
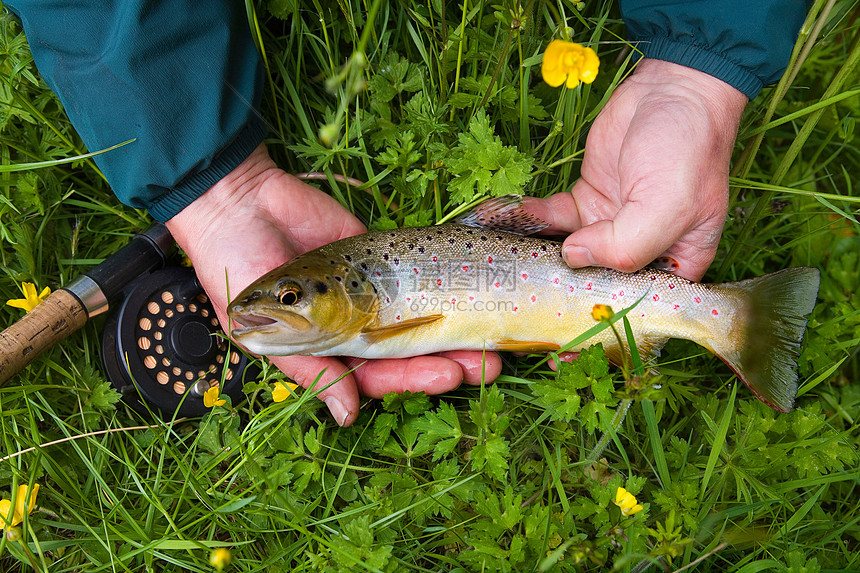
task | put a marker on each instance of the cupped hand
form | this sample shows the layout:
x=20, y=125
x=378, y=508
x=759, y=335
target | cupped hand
x=654, y=178
x=259, y=217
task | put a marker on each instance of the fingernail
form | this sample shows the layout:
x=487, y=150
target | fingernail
x=337, y=409
x=578, y=257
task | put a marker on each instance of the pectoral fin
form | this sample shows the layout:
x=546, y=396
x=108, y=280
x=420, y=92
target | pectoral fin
x=390, y=330
x=508, y=345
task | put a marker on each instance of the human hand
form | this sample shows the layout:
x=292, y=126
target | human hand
x=257, y=218
x=654, y=177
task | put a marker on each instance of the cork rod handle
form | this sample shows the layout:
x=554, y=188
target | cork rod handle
x=54, y=319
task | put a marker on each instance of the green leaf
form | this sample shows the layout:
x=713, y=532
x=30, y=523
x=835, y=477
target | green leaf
x=492, y=456
x=441, y=428
x=481, y=164
x=412, y=402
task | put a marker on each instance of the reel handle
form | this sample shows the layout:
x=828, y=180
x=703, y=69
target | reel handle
x=54, y=319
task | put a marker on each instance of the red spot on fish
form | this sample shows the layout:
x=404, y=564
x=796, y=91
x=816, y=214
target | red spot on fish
x=379, y=274
x=534, y=254
x=621, y=293
x=656, y=297
x=471, y=298
x=433, y=258
x=397, y=317
x=714, y=312
x=614, y=297
x=555, y=280
x=408, y=298
x=490, y=260
x=453, y=301
x=676, y=307
x=534, y=298
x=387, y=299
x=397, y=282
x=559, y=314
x=439, y=282
x=643, y=315
x=497, y=285
x=588, y=286
x=525, y=276
x=671, y=286
x=570, y=288
x=698, y=300
x=465, y=269
x=515, y=308
x=415, y=269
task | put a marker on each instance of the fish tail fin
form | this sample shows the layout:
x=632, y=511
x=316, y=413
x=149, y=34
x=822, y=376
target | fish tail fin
x=764, y=352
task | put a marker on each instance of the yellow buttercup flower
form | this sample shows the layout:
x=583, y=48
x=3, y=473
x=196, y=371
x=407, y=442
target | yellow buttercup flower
x=20, y=505
x=568, y=63
x=31, y=300
x=219, y=558
x=627, y=502
x=210, y=397
x=602, y=312
x=282, y=390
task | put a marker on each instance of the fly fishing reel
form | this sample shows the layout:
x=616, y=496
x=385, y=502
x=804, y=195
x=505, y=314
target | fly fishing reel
x=165, y=344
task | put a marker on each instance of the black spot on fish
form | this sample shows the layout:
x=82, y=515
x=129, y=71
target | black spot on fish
x=396, y=261
x=452, y=241
x=543, y=248
x=439, y=232
x=305, y=267
x=391, y=234
x=338, y=279
x=483, y=237
x=514, y=250
x=368, y=251
x=429, y=237
x=469, y=244
x=384, y=256
x=354, y=284
x=469, y=231
x=420, y=249
x=321, y=287
x=332, y=263
x=364, y=266
x=347, y=258
x=390, y=245
x=410, y=246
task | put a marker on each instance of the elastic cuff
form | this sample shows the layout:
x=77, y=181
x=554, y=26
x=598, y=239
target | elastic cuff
x=194, y=185
x=714, y=64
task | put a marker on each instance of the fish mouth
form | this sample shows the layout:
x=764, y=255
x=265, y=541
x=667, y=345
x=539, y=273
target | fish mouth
x=252, y=323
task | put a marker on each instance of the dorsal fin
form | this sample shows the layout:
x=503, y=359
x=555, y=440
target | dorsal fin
x=503, y=213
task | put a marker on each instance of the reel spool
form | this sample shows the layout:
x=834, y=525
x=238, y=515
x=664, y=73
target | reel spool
x=165, y=343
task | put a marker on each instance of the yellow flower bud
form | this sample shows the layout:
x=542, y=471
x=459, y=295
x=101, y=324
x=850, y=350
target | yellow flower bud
x=219, y=558
x=602, y=313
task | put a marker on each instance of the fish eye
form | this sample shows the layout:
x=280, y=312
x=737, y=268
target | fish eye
x=290, y=297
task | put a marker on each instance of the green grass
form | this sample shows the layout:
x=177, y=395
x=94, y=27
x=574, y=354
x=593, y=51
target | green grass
x=497, y=478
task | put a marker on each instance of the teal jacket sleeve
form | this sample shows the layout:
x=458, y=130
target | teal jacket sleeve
x=182, y=78
x=746, y=43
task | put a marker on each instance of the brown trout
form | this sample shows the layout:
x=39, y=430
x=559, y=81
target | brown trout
x=481, y=284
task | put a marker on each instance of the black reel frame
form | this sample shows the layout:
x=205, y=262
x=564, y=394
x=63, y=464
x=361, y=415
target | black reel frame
x=164, y=344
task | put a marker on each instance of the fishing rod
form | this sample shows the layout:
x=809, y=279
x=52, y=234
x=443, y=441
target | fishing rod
x=161, y=340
